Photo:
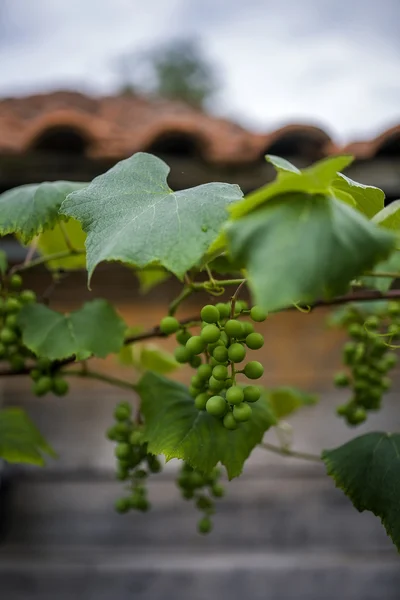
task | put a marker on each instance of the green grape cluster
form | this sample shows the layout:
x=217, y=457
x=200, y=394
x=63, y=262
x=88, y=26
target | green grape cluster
x=368, y=358
x=46, y=379
x=12, y=299
x=203, y=490
x=222, y=342
x=134, y=462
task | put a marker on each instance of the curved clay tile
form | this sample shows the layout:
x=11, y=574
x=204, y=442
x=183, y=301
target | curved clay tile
x=307, y=140
x=188, y=128
x=371, y=148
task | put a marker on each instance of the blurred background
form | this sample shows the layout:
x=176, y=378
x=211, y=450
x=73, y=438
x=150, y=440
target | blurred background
x=210, y=87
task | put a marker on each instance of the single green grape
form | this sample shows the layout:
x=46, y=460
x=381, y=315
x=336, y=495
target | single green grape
x=253, y=370
x=122, y=505
x=204, y=525
x=394, y=309
x=136, y=437
x=220, y=372
x=217, y=489
x=8, y=336
x=17, y=362
x=122, y=430
x=241, y=305
x=236, y=352
x=234, y=395
x=216, y=406
x=359, y=416
x=201, y=400
x=42, y=386
x=258, y=314
x=15, y=281
x=11, y=321
x=215, y=385
x=195, y=345
x=194, y=391
x=247, y=328
x=255, y=341
x=182, y=354
x=12, y=305
x=341, y=380
x=251, y=393
x=223, y=309
x=233, y=328
x=196, y=480
x=356, y=331
x=122, y=451
x=220, y=354
x=27, y=296
x=242, y=412
x=43, y=363
x=122, y=474
x=169, y=325
x=154, y=463
x=224, y=339
x=386, y=383
x=210, y=334
x=342, y=410
x=204, y=503
x=195, y=362
x=138, y=502
x=122, y=412
x=361, y=371
x=182, y=336
x=230, y=422
x=394, y=330
x=372, y=322
x=204, y=371
x=210, y=314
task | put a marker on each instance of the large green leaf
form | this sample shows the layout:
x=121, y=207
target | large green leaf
x=316, y=179
x=367, y=469
x=131, y=215
x=93, y=329
x=150, y=277
x=174, y=427
x=287, y=400
x=299, y=248
x=368, y=199
x=30, y=209
x=53, y=241
x=20, y=440
x=148, y=357
x=389, y=216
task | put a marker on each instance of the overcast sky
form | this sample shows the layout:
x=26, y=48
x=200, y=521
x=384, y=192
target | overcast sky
x=334, y=63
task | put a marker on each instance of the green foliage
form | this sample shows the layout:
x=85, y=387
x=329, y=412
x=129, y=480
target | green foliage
x=130, y=214
x=53, y=241
x=3, y=262
x=389, y=216
x=30, y=209
x=390, y=265
x=367, y=199
x=56, y=336
x=151, y=277
x=148, y=357
x=367, y=469
x=20, y=441
x=174, y=427
x=278, y=244
x=285, y=401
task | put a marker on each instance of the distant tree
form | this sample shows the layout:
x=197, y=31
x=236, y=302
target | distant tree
x=176, y=70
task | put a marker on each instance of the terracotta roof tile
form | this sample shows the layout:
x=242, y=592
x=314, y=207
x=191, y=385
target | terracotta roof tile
x=117, y=126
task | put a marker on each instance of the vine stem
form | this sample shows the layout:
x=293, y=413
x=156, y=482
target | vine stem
x=44, y=259
x=185, y=293
x=115, y=381
x=290, y=453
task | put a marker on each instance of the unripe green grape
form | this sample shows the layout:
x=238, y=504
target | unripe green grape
x=356, y=331
x=12, y=305
x=216, y=406
x=122, y=412
x=204, y=371
x=372, y=322
x=204, y=525
x=43, y=363
x=214, y=362
x=341, y=380
x=394, y=309
x=42, y=386
x=196, y=381
x=361, y=371
x=27, y=296
x=220, y=354
x=188, y=494
x=393, y=330
x=122, y=505
x=229, y=422
x=8, y=336
x=217, y=489
x=233, y=328
x=342, y=410
x=349, y=350
x=11, y=321
x=220, y=372
x=234, y=395
x=223, y=309
x=169, y=325
x=258, y=314
x=141, y=474
x=228, y=383
x=122, y=474
x=251, y=393
x=135, y=438
x=236, y=352
x=380, y=366
x=204, y=503
x=15, y=281
x=374, y=376
x=122, y=429
x=253, y=370
x=194, y=391
x=138, y=502
x=210, y=314
x=196, y=480
x=359, y=416
x=360, y=385
x=154, y=463
x=195, y=362
x=215, y=385
x=247, y=328
x=390, y=360
x=255, y=341
x=210, y=334
x=224, y=339
x=182, y=336
x=195, y=345
x=201, y=400
x=386, y=383
x=242, y=412
x=213, y=346
x=182, y=354
x=122, y=451
x=241, y=305
x=17, y=362
x=111, y=434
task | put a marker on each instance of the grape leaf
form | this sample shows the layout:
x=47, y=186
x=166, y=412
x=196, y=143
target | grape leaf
x=340, y=317
x=390, y=265
x=367, y=469
x=389, y=216
x=316, y=179
x=151, y=277
x=299, y=248
x=286, y=400
x=3, y=262
x=93, y=329
x=174, y=427
x=20, y=441
x=131, y=215
x=367, y=198
x=281, y=164
x=30, y=209
x=149, y=357
x=52, y=241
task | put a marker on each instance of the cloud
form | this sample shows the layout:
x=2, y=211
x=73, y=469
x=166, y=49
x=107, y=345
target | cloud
x=332, y=63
